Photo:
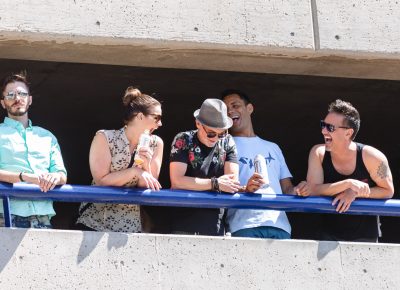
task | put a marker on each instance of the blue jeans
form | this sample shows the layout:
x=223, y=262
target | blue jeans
x=262, y=233
x=34, y=221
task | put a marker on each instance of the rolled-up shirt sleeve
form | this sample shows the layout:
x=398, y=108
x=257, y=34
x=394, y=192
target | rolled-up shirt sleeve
x=231, y=151
x=56, y=160
x=180, y=148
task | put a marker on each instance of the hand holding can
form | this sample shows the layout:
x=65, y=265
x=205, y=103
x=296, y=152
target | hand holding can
x=260, y=167
x=144, y=141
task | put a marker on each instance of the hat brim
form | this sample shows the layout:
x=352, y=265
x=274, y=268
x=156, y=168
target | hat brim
x=226, y=126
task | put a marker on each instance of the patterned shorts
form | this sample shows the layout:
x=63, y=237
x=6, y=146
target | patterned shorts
x=33, y=221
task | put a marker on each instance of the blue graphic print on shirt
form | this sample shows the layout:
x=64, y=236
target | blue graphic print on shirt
x=249, y=161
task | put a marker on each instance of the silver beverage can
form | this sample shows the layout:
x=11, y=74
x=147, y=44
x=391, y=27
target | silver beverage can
x=144, y=141
x=260, y=166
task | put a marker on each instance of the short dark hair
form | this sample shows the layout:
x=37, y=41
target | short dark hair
x=12, y=78
x=351, y=115
x=241, y=94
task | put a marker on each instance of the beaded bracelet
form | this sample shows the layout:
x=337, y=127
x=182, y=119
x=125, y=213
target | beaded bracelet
x=214, y=184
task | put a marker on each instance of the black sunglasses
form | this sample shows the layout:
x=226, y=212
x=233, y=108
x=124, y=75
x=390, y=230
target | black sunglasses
x=331, y=128
x=157, y=117
x=213, y=134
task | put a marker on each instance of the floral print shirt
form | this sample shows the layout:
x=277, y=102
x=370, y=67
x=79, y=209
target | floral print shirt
x=202, y=161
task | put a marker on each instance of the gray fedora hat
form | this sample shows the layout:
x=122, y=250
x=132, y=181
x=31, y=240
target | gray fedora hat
x=213, y=113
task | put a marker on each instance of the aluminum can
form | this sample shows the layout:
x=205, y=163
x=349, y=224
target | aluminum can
x=260, y=166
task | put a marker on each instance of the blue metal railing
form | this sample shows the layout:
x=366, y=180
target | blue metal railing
x=186, y=198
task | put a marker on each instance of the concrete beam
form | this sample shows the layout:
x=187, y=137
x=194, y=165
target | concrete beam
x=307, y=37
x=40, y=259
x=184, y=55
x=254, y=22
x=362, y=25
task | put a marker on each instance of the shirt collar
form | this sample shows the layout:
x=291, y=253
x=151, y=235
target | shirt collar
x=17, y=125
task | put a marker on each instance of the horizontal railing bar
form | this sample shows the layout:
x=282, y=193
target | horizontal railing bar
x=186, y=198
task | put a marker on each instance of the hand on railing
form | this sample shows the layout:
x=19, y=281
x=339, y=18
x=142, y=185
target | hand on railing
x=302, y=189
x=228, y=183
x=147, y=180
x=45, y=181
x=344, y=200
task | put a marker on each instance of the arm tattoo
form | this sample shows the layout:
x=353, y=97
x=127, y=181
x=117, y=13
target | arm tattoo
x=382, y=170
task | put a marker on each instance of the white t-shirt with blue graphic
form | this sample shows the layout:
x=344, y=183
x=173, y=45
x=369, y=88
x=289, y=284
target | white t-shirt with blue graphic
x=248, y=148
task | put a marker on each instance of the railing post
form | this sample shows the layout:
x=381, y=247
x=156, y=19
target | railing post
x=6, y=212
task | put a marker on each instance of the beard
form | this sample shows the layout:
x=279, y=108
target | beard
x=17, y=112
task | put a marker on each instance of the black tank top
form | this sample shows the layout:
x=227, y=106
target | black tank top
x=345, y=227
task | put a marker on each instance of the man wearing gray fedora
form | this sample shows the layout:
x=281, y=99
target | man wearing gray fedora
x=206, y=160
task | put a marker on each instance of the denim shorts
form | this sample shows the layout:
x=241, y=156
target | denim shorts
x=33, y=221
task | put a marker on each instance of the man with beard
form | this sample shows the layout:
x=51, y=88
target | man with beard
x=27, y=154
x=272, y=224
x=347, y=170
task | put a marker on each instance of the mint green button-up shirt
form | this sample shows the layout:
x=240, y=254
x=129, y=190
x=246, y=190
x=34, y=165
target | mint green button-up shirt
x=32, y=150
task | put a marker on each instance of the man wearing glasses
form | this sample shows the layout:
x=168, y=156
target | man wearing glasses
x=204, y=159
x=347, y=170
x=253, y=223
x=27, y=154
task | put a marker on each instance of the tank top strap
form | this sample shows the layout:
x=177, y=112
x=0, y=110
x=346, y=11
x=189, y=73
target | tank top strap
x=360, y=147
x=359, y=159
x=327, y=160
x=361, y=172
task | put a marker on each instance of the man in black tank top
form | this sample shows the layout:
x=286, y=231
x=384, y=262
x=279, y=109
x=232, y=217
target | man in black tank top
x=347, y=170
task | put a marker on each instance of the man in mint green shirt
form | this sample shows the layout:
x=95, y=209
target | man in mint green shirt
x=27, y=154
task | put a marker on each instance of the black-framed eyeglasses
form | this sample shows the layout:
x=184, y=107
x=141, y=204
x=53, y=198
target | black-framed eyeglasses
x=12, y=95
x=211, y=134
x=331, y=128
x=157, y=117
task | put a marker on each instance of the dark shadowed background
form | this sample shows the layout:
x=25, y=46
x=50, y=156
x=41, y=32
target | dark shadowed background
x=75, y=100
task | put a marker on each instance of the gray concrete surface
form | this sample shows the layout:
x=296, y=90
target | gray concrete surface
x=360, y=25
x=41, y=259
x=308, y=37
x=226, y=22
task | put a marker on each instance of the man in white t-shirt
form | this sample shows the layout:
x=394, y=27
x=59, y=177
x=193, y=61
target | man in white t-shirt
x=251, y=222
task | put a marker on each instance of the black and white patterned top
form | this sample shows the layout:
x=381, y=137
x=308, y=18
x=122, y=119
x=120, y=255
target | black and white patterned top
x=115, y=217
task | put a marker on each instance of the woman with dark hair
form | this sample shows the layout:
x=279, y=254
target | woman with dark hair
x=111, y=158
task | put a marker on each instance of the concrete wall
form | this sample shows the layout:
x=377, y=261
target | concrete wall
x=38, y=259
x=310, y=37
